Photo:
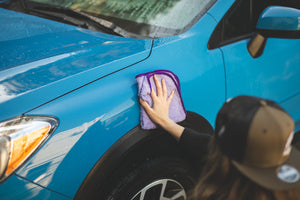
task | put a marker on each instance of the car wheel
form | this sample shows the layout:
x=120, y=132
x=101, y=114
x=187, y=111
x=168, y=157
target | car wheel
x=156, y=179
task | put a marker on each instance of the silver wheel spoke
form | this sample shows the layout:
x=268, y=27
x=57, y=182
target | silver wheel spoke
x=163, y=189
x=181, y=193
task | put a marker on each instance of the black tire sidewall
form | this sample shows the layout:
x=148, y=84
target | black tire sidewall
x=132, y=181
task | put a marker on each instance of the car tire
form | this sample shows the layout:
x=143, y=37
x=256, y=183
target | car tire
x=155, y=179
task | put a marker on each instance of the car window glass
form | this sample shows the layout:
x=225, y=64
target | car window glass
x=152, y=18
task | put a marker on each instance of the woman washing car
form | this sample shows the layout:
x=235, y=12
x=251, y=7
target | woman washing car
x=250, y=155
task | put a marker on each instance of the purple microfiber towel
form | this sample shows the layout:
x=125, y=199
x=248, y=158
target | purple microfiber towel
x=146, y=82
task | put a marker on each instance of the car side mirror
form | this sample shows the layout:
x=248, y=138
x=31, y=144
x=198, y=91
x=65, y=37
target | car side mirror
x=279, y=18
x=275, y=21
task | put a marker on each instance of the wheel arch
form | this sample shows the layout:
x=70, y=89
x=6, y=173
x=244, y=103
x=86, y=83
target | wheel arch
x=132, y=148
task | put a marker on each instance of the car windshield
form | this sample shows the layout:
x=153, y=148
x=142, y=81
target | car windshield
x=144, y=19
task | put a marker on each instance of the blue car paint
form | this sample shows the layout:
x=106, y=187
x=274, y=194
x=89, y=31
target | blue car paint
x=92, y=116
x=19, y=188
x=32, y=36
x=278, y=81
x=279, y=18
x=83, y=137
x=60, y=69
x=99, y=127
x=197, y=68
x=38, y=39
x=292, y=106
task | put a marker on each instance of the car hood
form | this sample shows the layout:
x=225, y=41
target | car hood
x=41, y=59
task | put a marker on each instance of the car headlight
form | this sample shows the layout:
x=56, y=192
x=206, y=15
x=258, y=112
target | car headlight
x=19, y=138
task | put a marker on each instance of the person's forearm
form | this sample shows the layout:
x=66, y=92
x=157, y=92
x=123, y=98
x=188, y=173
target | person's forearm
x=174, y=129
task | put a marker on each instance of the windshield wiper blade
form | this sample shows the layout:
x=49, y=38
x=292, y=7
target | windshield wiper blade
x=78, y=18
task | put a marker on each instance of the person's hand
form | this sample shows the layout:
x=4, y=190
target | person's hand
x=159, y=113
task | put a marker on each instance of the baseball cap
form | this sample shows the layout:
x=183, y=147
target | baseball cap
x=256, y=134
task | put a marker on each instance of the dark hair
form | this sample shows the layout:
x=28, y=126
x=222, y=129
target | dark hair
x=220, y=180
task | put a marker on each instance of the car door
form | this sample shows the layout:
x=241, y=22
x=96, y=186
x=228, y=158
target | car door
x=274, y=72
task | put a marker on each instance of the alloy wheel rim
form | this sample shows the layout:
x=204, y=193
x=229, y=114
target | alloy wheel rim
x=162, y=189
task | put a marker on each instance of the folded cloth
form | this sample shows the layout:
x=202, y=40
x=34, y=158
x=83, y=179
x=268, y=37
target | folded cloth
x=146, y=82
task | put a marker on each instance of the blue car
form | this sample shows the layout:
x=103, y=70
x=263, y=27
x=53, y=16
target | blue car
x=69, y=111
